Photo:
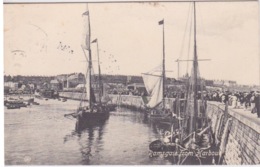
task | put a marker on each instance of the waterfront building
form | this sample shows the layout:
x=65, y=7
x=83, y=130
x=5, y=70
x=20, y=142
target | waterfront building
x=55, y=85
x=11, y=85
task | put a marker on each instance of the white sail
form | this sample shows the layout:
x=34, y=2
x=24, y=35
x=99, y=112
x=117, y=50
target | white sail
x=151, y=78
x=157, y=93
x=150, y=82
x=86, y=46
x=153, y=82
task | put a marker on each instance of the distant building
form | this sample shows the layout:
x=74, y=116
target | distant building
x=209, y=82
x=230, y=83
x=71, y=80
x=135, y=86
x=218, y=82
x=11, y=85
x=227, y=83
x=184, y=79
x=55, y=85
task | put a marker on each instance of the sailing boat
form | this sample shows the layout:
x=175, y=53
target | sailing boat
x=154, y=82
x=103, y=98
x=194, y=132
x=91, y=110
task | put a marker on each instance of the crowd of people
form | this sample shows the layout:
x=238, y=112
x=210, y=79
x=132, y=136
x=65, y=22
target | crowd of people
x=127, y=92
x=249, y=101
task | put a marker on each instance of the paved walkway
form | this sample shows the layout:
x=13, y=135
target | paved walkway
x=247, y=114
x=242, y=115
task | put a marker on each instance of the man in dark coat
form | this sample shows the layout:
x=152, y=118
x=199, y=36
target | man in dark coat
x=247, y=100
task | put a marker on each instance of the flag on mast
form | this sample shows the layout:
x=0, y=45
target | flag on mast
x=161, y=22
x=86, y=13
x=94, y=41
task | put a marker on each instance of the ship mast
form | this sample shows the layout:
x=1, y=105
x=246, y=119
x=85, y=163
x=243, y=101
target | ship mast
x=195, y=66
x=194, y=115
x=88, y=47
x=99, y=75
x=163, y=66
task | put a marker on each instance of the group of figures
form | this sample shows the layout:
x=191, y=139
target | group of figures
x=249, y=101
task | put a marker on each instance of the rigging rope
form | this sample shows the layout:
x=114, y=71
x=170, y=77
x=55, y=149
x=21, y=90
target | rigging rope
x=184, y=35
x=189, y=43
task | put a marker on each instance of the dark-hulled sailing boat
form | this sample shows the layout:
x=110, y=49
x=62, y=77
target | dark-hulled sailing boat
x=194, y=130
x=91, y=110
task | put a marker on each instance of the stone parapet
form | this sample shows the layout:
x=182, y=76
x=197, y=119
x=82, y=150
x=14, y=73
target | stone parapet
x=243, y=138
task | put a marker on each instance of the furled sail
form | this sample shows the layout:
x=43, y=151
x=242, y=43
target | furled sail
x=90, y=96
x=153, y=82
x=88, y=86
x=86, y=30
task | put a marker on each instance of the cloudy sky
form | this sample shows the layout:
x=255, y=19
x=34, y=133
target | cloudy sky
x=45, y=39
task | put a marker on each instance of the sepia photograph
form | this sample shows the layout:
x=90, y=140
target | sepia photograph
x=131, y=82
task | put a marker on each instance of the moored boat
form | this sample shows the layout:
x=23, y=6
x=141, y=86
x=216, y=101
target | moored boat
x=15, y=104
x=193, y=135
x=155, y=81
x=90, y=111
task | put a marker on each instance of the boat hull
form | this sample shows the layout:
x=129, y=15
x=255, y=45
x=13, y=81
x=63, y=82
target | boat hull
x=86, y=119
x=159, y=146
x=111, y=107
x=14, y=104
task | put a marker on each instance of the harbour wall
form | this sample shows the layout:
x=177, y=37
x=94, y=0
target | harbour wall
x=72, y=95
x=128, y=101
x=237, y=138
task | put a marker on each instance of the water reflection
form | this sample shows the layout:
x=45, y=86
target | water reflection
x=123, y=139
x=90, y=140
x=132, y=116
x=124, y=136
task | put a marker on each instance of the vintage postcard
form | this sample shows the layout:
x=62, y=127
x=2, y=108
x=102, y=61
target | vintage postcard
x=132, y=83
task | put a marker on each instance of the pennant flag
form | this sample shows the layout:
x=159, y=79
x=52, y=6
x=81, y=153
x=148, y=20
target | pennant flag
x=95, y=40
x=86, y=13
x=161, y=22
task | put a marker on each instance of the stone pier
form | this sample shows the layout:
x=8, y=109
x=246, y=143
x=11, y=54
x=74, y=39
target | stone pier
x=237, y=133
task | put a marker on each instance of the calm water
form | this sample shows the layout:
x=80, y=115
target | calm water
x=41, y=135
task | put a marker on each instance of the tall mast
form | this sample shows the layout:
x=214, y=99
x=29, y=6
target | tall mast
x=195, y=68
x=99, y=75
x=163, y=66
x=90, y=60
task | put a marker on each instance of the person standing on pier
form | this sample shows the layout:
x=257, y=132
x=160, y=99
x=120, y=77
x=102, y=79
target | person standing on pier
x=247, y=100
x=257, y=104
x=234, y=101
x=252, y=100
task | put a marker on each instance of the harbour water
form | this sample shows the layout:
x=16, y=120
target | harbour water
x=41, y=135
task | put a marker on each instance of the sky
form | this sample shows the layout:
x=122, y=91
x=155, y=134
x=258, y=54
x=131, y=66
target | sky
x=46, y=39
